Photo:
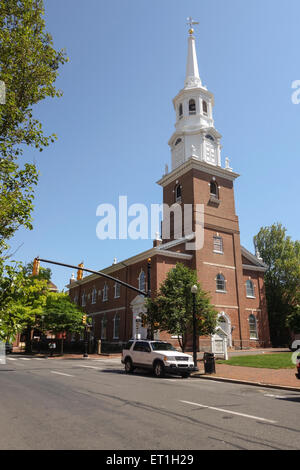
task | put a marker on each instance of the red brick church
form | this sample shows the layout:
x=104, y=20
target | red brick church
x=233, y=276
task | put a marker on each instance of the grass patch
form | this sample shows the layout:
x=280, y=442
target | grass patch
x=266, y=361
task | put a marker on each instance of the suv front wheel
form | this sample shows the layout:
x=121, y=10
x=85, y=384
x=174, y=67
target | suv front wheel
x=159, y=369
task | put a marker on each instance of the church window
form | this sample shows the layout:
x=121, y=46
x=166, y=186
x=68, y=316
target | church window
x=220, y=283
x=117, y=290
x=250, y=288
x=103, y=327
x=94, y=296
x=142, y=281
x=218, y=244
x=204, y=106
x=105, y=293
x=116, y=326
x=192, y=107
x=178, y=141
x=214, y=189
x=180, y=111
x=209, y=137
x=178, y=193
x=253, y=327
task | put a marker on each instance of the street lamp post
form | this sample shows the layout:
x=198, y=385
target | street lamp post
x=194, y=290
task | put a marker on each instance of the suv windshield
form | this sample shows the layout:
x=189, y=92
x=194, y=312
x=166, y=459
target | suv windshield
x=162, y=347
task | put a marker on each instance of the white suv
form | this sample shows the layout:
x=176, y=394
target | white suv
x=159, y=356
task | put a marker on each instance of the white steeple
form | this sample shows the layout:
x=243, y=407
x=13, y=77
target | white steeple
x=195, y=135
x=192, y=78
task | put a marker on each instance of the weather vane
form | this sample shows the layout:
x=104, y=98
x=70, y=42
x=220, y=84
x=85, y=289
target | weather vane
x=191, y=23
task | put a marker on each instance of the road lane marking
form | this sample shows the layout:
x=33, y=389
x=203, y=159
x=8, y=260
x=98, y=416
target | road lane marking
x=11, y=359
x=229, y=412
x=61, y=373
x=89, y=367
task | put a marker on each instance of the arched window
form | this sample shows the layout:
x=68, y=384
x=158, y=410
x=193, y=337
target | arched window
x=180, y=111
x=204, y=107
x=178, y=193
x=178, y=141
x=105, y=292
x=220, y=283
x=103, y=327
x=252, y=327
x=209, y=137
x=192, y=107
x=249, y=288
x=117, y=290
x=214, y=189
x=116, y=326
x=142, y=281
x=94, y=296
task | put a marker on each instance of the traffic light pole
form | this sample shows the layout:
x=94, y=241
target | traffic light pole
x=99, y=273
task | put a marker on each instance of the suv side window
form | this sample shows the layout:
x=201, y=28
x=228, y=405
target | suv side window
x=137, y=346
x=128, y=345
x=142, y=346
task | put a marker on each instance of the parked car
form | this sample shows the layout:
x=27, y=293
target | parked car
x=295, y=345
x=298, y=366
x=159, y=356
x=8, y=348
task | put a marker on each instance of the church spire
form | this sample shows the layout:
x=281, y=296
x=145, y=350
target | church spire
x=192, y=79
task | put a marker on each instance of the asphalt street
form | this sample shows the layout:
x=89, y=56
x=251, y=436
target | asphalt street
x=92, y=404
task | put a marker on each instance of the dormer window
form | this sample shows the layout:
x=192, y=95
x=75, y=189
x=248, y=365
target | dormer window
x=192, y=107
x=204, y=107
x=178, y=193
x=180, y=111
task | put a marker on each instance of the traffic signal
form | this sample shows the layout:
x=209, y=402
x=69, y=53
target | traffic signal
x=36, y=267
x=80, y=272
x=84, y=319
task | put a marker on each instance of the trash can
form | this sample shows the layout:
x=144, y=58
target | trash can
x=209, y=363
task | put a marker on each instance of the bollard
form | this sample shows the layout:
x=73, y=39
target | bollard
x=99, y=346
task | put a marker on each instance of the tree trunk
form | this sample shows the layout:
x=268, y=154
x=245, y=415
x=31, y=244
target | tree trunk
x=62, y=346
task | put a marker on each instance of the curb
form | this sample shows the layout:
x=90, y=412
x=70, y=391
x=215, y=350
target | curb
x=246, y=382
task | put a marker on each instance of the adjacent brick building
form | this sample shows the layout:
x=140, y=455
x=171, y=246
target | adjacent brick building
x=208, y=243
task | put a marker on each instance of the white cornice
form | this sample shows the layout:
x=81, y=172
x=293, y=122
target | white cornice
x=251, y=267
x=196, y=164
x=161, y=250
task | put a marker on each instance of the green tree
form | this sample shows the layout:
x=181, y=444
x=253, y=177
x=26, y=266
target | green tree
x=173, y=306
x=61, y=315
x=282, y=279
x=29, y=67
x=22, y=299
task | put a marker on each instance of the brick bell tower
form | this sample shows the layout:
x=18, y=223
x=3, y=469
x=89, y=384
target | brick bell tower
x=198, y=181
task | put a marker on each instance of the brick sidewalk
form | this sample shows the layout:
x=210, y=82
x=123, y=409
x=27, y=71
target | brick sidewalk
x=281, y=377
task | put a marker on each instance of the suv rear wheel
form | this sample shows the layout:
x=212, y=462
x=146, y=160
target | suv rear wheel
x=128, y=366
x=159, y=369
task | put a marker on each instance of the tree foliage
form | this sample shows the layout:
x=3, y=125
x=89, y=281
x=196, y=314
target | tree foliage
x=173, y=306
x=29, y=67
x=282, y=279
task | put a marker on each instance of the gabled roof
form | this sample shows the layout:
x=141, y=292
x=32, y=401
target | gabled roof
x=254, y=262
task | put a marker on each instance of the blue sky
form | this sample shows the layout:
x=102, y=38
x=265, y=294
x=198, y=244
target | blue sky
x=127, y=62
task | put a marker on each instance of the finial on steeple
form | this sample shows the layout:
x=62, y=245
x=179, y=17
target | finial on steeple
x=191, y=22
